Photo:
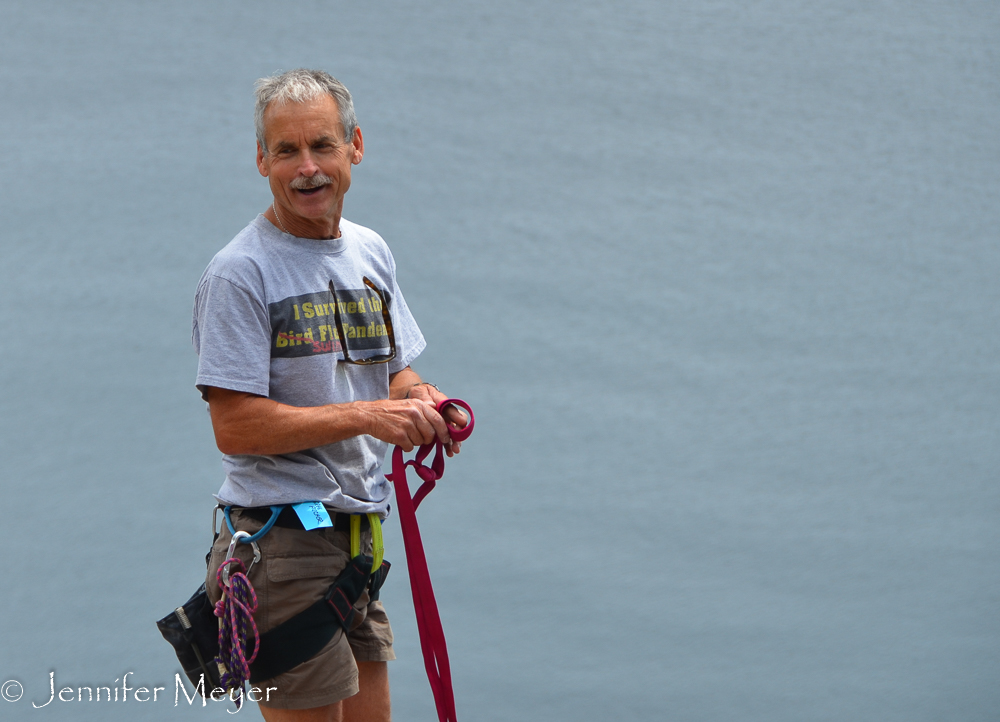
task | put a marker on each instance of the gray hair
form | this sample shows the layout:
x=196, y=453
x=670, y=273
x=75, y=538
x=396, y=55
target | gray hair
x=299, y=86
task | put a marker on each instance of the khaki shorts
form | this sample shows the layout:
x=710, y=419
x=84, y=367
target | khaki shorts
x=296, y=569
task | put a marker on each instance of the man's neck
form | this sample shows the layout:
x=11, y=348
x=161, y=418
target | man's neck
x=320, y=229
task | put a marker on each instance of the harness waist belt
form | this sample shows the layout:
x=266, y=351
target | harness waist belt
x=288, y=519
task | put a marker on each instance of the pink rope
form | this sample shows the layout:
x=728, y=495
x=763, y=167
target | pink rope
x=432, y=641
x=235, y=609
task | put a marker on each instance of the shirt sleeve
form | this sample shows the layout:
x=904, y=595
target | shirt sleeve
x=231, y=333
x=409, y=340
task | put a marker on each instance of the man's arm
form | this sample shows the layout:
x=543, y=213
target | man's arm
x=249, y=424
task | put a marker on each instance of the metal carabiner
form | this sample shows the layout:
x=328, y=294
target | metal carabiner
x=229, y=555
x=256, y=556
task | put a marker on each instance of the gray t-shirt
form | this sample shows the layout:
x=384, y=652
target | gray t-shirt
x=264, y=323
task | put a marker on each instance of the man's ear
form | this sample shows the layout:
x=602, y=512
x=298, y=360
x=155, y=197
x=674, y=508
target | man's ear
x=261, y=165
x=358, y=142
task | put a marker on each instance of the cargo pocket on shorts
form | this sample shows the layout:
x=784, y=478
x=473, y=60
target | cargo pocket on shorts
x=294, y=583
x=297, y=582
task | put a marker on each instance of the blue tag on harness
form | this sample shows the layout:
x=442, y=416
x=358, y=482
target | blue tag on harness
x=312, y=514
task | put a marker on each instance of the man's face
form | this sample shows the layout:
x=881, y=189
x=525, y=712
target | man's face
x=308, y=164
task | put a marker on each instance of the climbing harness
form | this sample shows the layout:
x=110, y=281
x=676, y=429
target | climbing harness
x=301, y=637
x=432, y=641
x=212, y=642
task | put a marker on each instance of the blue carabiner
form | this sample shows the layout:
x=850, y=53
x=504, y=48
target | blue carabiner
x=275, y=511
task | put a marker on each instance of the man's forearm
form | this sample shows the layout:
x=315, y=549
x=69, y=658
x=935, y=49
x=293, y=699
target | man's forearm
x=248, y=424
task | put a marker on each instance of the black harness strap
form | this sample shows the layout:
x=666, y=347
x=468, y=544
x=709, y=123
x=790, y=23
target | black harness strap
x=302, y=637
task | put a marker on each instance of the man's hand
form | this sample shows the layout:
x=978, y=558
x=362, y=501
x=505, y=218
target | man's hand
x=407, y=423
x=407, y=384
x=452, y=415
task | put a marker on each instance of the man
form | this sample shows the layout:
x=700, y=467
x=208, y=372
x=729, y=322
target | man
x=305, y=344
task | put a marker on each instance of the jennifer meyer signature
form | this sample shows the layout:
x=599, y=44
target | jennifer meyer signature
x=12, y=691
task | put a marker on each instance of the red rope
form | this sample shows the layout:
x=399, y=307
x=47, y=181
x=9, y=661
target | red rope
x=432, y=641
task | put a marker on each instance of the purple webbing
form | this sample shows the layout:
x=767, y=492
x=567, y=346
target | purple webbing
x=236, y=609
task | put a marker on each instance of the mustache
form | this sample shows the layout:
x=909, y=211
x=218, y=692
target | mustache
x=303, y=183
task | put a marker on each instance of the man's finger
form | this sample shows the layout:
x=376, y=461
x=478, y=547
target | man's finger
x=456, y=416
x=423, y=430
x=440, y=428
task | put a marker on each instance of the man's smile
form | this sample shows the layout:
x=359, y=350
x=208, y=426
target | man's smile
x=311, y=185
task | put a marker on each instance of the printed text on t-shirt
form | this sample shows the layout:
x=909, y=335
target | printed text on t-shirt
x=305, y=325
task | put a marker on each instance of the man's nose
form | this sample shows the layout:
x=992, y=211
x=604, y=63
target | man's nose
x=308, y=167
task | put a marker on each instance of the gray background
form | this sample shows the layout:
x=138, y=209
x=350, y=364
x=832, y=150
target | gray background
x=719, y=279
